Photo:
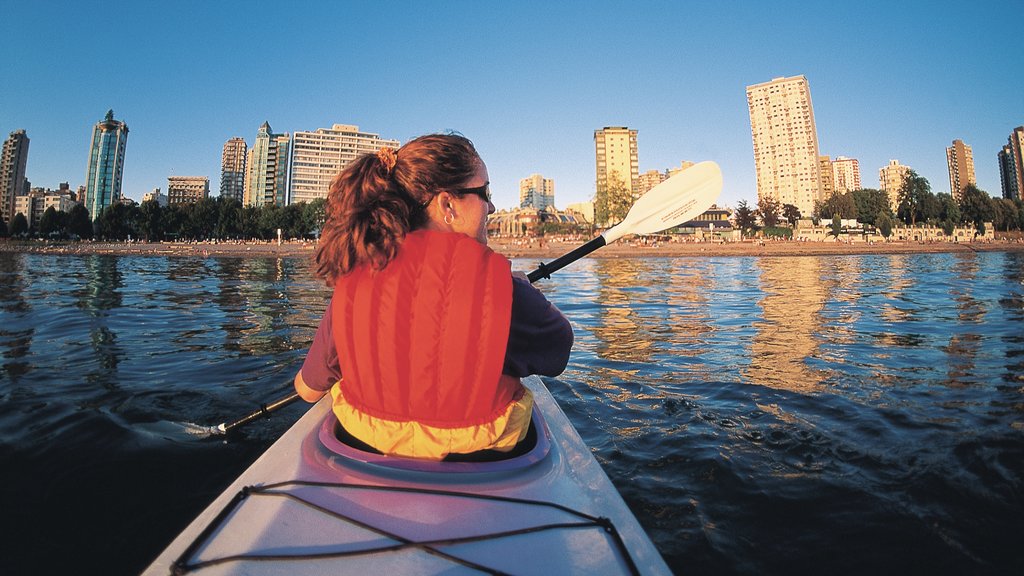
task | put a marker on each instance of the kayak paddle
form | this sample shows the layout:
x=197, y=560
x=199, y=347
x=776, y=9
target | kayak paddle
x=675, y=201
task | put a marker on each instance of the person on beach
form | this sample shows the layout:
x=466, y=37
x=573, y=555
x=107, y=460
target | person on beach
x=428, y=331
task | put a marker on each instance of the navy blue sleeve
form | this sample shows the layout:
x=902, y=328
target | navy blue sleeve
x=540, y=337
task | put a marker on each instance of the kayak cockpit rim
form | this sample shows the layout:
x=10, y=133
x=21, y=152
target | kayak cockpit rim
x=518, y=459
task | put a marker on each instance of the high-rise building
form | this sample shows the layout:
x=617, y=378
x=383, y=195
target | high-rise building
x=536, y=192
x=648, y=180
x=187, y=189
x=106, y=164
x=828, y=184
x=785, y=142
x=890, y=180
x=1011, y=165
x=267, y=169
x=960, y=160
x=12, y=173
x=617, y=157
x=845, y=174
x=232, y=169
x=318, y=156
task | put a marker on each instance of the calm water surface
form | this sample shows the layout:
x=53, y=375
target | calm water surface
x=833, y=414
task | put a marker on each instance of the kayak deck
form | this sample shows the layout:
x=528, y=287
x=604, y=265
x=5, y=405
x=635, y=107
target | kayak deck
x=311, y=509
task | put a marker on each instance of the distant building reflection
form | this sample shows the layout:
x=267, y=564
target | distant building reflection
x=99, y=295
x=622, y=330
x=14, y=342
x=964, y=346
x=788, y=334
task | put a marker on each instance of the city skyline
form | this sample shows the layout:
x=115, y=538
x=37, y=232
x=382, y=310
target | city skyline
x=883, y=88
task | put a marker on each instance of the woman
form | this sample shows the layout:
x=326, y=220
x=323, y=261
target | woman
x=428, y=331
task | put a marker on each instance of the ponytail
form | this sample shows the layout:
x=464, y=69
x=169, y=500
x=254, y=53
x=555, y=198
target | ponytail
x=380, y=197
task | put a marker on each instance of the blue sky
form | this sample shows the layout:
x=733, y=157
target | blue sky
x=528, y=82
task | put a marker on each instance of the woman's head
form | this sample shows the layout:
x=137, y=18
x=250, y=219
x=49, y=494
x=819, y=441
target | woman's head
x=436, y=181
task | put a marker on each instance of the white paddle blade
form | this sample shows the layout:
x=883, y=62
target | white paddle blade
x=675, y=201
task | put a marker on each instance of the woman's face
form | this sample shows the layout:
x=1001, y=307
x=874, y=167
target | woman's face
x=472, y=209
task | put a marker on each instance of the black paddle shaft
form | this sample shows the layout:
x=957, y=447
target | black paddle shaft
x=545, y=270
x=264, y=411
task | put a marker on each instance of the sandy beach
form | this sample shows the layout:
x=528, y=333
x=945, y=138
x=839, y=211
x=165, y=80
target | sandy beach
x=540, y=249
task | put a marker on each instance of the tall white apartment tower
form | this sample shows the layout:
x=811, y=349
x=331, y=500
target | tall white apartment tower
x=785, y=142
x=318, y=156
x=960, y=160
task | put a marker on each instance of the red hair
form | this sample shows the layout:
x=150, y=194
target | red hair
x=377, y=199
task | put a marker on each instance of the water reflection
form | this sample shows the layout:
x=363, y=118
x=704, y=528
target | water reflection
x=624, y=323
x=15, y=341
x=787, y=335
x=964, y=346
x=687, y=320
x=99, y=295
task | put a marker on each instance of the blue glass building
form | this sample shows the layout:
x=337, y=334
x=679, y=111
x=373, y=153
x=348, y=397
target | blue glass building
x=106, y=164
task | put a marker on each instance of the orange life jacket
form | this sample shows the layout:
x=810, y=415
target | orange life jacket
x=424, y=339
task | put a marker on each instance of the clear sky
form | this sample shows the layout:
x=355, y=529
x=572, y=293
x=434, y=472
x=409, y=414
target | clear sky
x=528, y=82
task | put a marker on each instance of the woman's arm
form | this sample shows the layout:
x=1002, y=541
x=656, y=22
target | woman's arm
x=540, y=336
x=321, y=369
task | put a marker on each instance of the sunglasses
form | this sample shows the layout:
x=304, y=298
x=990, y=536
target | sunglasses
x=484, y=192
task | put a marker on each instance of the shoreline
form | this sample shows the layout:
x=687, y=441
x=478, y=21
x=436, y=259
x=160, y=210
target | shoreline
x=535, y=248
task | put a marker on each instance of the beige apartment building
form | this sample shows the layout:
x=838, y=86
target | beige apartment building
x=617, y=156
x=846, y=174
x=649, y=180
x=187, y=189
x=785, y=142
x=318, y=156
x=960, y=161
x=890, y=180
x=828, y=184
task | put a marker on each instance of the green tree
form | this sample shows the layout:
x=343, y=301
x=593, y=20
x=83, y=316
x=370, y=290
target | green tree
x=949, y=212
x=791, y=213
x=912, y=197
x=745, y=218
x=50, y=223
x=869, y=204
x=19, y=225
x=229, y=218
x=837, y=225
x=884, y=224
x=768, y=209
x=172, y=221
x=3, y=229
x=203, y=218
x=314, y=214
x=151, y=221
x=79, y=223
x=1006, y=217
x=118, y=222
x=841, y=204
x=975, y=207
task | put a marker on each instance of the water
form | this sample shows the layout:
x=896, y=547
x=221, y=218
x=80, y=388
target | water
x=842, y=414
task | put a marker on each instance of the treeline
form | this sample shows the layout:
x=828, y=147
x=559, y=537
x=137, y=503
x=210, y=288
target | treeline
x=208, y=219
x=916, y=204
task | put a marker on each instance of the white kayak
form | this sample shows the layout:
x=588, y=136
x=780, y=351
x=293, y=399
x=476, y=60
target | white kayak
x=312, y=504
